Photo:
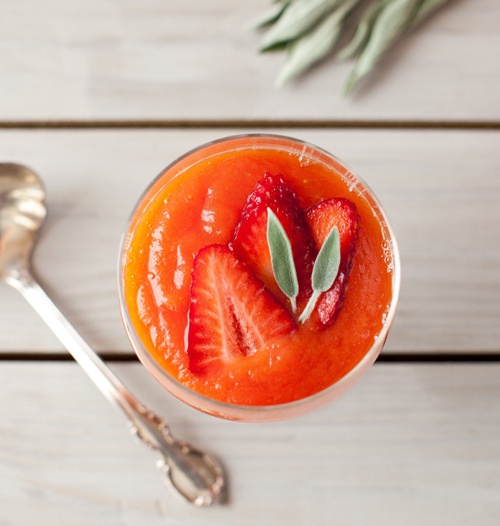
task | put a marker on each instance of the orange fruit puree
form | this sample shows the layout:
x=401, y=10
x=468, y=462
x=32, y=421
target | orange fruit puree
x=197, y=202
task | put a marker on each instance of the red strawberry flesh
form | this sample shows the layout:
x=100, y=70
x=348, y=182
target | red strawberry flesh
x=342, y=213
x=231, y=314
x=250, y=244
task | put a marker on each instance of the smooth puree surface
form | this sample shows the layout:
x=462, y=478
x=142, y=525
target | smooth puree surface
x=200, y=205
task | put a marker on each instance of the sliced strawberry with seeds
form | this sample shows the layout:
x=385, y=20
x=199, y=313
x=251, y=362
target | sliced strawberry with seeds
x=231, y=314
x=342, y=213
x=250, y=244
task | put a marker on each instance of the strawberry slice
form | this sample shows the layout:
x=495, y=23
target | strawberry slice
x=249, y=241
x=342, y=213
x=231, y=314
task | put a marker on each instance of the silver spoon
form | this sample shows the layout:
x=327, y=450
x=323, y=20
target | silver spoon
x=195, y=475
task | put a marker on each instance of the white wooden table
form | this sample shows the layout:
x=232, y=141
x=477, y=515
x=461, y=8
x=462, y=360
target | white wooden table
x=98, y=96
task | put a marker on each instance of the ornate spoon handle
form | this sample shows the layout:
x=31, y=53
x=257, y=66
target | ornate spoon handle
x=195, y=475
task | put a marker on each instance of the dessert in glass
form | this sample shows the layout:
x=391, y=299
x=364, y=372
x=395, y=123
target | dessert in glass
x=258, y=278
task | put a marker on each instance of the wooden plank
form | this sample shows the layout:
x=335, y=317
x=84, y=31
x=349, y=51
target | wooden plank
x=440, y=189
x=410, y=443
x=163, y=59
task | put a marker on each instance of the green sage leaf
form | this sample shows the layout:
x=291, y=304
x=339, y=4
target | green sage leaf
x=283, y=265
x=326, y=266
x=314, y=45
x=363, y=30
x=270, y=16
x=325, y=270
x=392, y=21
x=298, y=17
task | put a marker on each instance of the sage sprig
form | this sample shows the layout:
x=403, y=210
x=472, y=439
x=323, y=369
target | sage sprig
x=311, y=30
x=325, y=270
x=282, y=262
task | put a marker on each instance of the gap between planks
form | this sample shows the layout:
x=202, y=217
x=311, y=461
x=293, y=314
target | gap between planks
x=249, y=124
x=385, y=358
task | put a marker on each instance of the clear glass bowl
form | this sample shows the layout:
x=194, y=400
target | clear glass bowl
x=259, y=413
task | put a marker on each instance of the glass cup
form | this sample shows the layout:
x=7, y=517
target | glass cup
x=306, y=154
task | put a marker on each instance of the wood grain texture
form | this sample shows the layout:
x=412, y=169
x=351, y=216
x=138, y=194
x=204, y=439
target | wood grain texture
x=190, y=60
x=409, y=444
x=440, y=189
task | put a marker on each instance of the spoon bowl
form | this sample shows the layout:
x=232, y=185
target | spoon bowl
x=22, y=213
x=22, y=197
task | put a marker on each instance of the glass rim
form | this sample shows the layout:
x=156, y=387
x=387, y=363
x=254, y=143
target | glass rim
x=273, y=412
